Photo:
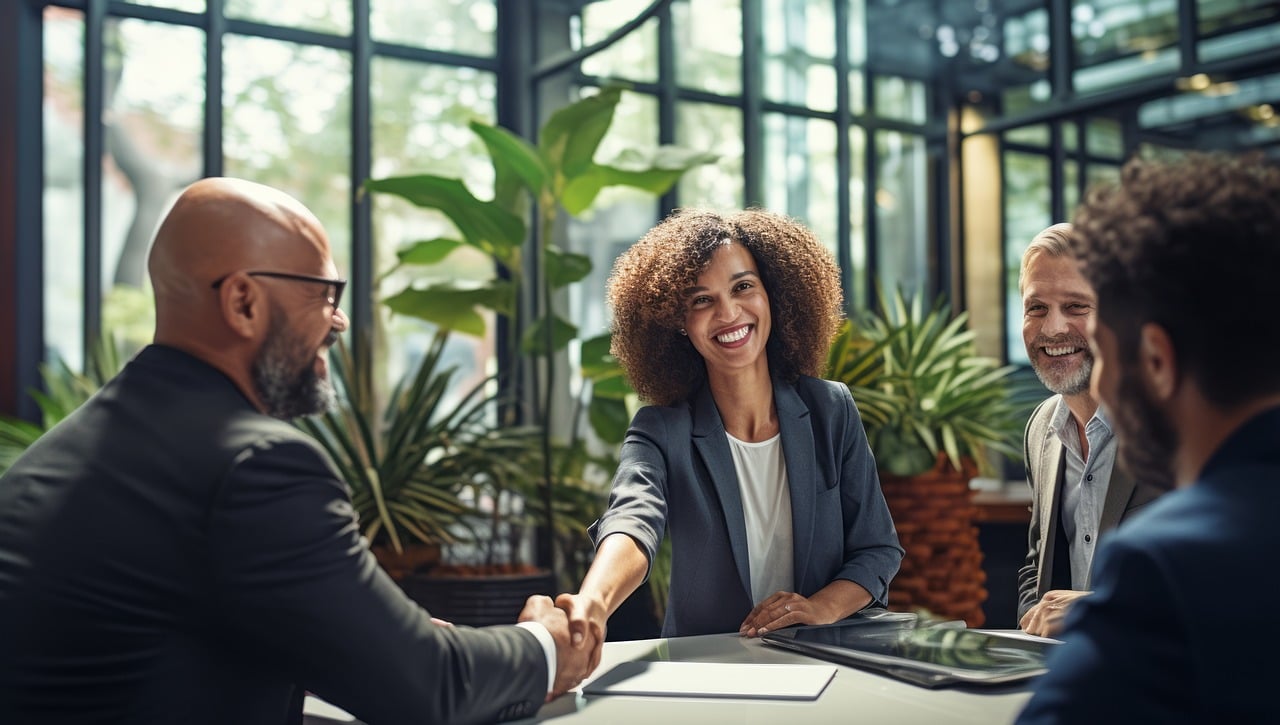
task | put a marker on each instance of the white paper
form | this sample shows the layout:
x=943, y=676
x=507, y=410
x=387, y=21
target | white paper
x=713, y=679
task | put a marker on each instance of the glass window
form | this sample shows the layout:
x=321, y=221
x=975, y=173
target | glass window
x=1027, y=211
x=155, y=122
x=460, y=26
x=1070, y=136
x=856, y=275
x=901, y=203
x=64, y=186
x=900, y=98
x=1119, y=41
x=1220, y=16
x=1037, y=135
x=287, y=124
x=635, y=56
x=799, y=53
x=333, y=16
x=1070, y=187
x=708, y=45
x=717, y=129
x=420, y=117
x=191, y=6
x=857, y=55
x=1105, y=138
x=1027, y=54
x=800, y=172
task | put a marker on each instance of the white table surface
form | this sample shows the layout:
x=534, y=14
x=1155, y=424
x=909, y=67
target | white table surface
x=854, y=696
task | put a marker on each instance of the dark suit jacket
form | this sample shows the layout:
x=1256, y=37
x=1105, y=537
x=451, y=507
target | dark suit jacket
x=170, y=555
x=1149, y=645
x=677, y=474
x=1046, y=469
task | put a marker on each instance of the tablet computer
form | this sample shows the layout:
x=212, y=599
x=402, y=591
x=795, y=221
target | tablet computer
x=930, y=654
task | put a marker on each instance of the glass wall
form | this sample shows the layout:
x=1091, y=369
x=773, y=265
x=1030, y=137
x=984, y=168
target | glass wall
x=797, y=105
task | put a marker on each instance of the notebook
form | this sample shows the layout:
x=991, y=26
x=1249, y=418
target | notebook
x=714, y=679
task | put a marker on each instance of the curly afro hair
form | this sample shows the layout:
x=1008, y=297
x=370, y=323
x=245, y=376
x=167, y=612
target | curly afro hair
x=644, y=294
x=1192, y=245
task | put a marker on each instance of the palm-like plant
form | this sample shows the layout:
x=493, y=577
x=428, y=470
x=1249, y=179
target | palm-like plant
x=411, y=469
x=65, y=390
x=923, y=391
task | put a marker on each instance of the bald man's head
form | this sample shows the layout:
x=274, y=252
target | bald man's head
x=239, y=272
x=219, y=225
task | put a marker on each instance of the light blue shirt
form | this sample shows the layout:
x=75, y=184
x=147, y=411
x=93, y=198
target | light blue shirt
x=1085, y=486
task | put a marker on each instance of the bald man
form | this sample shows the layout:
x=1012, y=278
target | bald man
x=174, y=552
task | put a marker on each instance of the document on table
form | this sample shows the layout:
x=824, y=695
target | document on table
x=714, y=679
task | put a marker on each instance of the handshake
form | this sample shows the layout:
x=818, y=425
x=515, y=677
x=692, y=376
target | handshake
x=577, y=624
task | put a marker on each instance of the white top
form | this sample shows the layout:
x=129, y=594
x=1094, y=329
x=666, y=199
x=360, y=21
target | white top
x=1085, y=484
x=766, y=506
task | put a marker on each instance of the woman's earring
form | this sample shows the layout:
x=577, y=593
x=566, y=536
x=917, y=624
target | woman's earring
x=682, y=332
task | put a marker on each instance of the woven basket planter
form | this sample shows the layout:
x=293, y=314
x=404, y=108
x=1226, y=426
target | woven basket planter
x=942, y=570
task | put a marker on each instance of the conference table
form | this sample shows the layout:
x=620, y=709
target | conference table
x=852, y=696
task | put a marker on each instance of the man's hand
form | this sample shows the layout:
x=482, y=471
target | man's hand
x=572, y=663
x=1046, y=617
x=587, y=624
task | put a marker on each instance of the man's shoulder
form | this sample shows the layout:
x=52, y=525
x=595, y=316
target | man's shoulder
x=1043, y=413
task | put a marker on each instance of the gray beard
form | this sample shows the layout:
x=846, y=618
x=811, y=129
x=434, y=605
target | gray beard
x=289, y=390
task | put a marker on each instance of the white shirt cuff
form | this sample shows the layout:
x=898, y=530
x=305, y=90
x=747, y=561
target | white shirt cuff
x=548, y=648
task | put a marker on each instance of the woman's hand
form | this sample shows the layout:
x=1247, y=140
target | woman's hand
x=783, y=609
x=834, y=602
x=588, y=623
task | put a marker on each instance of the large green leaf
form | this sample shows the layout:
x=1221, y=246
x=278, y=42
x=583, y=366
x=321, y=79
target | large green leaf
x=428, y=251
x=582, y=189
x=609, y=418
x=517, y=165
x=564, y=268
x=485, y=225
x=535, y=338
x=451, y=307
x=569, y=139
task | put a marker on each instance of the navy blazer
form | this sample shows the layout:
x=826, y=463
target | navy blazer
x=1178, y=627
x=676, y=474
x=168, y=554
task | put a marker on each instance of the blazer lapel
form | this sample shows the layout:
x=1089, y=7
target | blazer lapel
x=1119, y=491
x=710, y=442
x=1052, y=464
x=803, y=478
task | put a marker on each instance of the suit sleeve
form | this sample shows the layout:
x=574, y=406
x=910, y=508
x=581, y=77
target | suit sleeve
x=1123, y=651
x=1029, y=574
x=638, y=497
x=297, y=582
x=871, y=549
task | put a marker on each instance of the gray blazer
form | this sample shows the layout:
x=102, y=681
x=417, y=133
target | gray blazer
x=1045, y=471
x=676, y=474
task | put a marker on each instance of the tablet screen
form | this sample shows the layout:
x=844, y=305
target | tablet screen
x=932, y=653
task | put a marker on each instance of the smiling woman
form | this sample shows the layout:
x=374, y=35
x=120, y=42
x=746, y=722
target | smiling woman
x=759, y=470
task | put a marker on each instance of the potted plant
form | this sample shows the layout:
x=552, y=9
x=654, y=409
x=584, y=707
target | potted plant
x=533, y=186
x=434, y=470
x=936, y=413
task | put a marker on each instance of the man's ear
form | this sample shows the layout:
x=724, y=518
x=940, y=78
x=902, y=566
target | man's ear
x=1158, y=360
x=243, y=306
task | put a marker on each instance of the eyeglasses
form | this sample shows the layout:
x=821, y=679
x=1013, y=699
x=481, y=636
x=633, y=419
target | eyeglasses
x=336, y=285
